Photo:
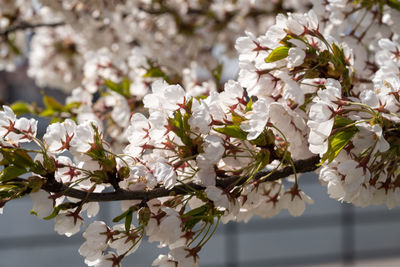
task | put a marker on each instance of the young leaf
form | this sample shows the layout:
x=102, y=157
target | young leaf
x=20, y=108
x=55, y=212
x=128, y=221
x=232, y=131
x=52, y=104
x=337, y=142
x=19, y=158
x=112, y=86
x=11, y=172
x=179, y=127
x=7, y=191
x=197, y=211
x=249, y=105
x=123, y=215
x=277, y=54
x=341, y=121
x=125, y=86
x=156, y=73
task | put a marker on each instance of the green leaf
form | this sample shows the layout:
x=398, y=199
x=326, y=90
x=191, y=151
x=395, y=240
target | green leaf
x=125, y=87
x=113, y=86
x=14, y=47
x=264, y=139
x=337, y=142
x=35, y=183
x=144, y=215
x=232, y=131
x=178, y=127
x=64, y=206
x=263, y=158
x=122, y=88
x=7, y=191
x=185, y=122
x=54, y=213
x=249, y=105
x=20, y=108
x=52, y=104
x=128, y=221
x=156, y=73
x=217, y=72
x=49, y=163
x=197, y=211
x=237, y=119
x=341, y=121
x=192, y=217
x=338, y=52
x=277, y=54
x=72, y=105
x=11, y=172
x=394, y=4
x=17, y=157
x=47, y=113
x=38, y=168
x=123, y=215
x=54, y=120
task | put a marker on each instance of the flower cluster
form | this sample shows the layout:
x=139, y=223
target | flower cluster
x=151, y=122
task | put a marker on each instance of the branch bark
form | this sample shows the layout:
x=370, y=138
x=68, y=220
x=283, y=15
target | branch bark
x=301, y=166
x=26, y=26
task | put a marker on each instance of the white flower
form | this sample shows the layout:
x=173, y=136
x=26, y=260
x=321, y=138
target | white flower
x=178, y=257
x=319, y=133
x=121, y=111
x=164, y=97
x=67, y=224
x=249, y=47
x=219, y=198
x=138, y=134
x=257, y=119
x=42, y=203
x=213, y=148
x=295, y=200
x=7, y=125
x=96, y=241
x=232, y=93
x=58, y=136
x=200, y=119
x=296, y=23
x=66, y=172
x=164, y=261
x=354, y=175
x=167, y=230
x=165, y=174
x=296, y=57
x=185, y=256
x=122, y=242
x=370, y=135
x=84, y=138
x=321, y=116
x=108, y=260
x=213, y=151
x=292, y=90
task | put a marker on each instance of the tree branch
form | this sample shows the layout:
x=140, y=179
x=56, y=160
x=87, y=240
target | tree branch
x=26, y=26
x=301, y=166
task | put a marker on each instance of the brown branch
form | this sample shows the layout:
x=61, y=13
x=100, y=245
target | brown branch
x=301, y=166
x=26, y=26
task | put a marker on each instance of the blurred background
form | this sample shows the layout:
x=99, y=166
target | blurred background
x=328, y=234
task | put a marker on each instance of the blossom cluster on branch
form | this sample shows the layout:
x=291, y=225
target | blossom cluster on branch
x=156, y=119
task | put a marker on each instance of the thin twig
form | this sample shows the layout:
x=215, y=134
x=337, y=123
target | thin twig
x=25, y=26
x=301, y=166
